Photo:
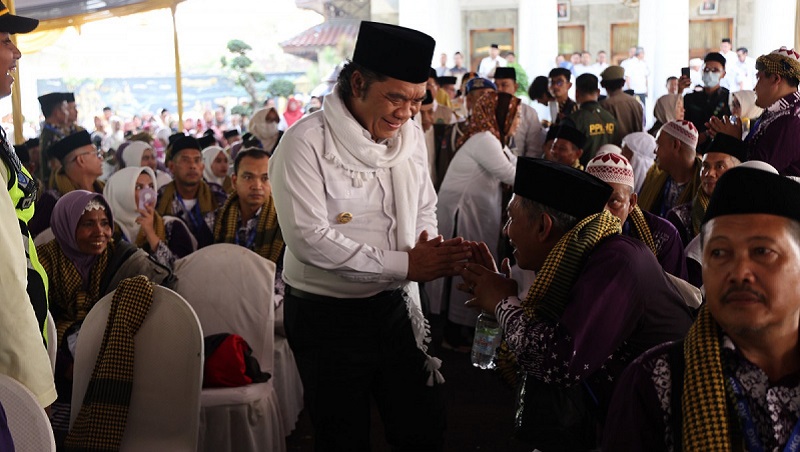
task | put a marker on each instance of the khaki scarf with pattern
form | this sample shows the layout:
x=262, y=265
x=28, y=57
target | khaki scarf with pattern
x=705, y=413
x=100, y=424
x=141, y=236
x=64, y=185
x=549, y=294
x=699, y=206
x=651, y=194
x=69, y=300
x=641, y=230
x=205, y=199
x=268, y=241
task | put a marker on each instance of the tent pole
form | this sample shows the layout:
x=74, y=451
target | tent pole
x=16, y=91
x=178, y=77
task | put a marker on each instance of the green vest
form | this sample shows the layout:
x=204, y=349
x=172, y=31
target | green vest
x=23, y=188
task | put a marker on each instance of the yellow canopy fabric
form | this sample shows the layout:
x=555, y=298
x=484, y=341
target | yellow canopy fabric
x=78, y=20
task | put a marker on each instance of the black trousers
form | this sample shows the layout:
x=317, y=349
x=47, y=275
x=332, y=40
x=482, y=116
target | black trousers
x=349, y=350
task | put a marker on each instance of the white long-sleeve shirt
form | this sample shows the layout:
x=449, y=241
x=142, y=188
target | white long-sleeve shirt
x=324, y=255
x=529, y=137
x=23, y=355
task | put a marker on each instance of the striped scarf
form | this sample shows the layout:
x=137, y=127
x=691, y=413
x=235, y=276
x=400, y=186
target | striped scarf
x=70, y=301
x=205, y=199
x=549, y=294
x=269, y=240
x=705, y=415
x=101, y=421
x=641, y=230
x=699, y=206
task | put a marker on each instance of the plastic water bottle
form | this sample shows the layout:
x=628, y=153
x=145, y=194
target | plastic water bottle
x=488, y=336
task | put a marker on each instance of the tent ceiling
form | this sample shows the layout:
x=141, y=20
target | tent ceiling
x=54, y=10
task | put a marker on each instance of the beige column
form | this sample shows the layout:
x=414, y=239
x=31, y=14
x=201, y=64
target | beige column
x=537, y=36
x=441, y=19
x=774, y=25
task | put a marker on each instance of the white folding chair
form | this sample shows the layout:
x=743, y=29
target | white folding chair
x=230, y=288
x=52, y=340
x=44, y=237
x=27, y=421
x=164, y=411
x=288, y=384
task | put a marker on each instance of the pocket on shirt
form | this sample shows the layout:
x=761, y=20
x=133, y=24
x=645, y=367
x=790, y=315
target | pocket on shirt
x=343, y=189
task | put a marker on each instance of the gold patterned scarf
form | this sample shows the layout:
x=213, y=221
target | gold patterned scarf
x=141, y=237
x=64, y=185
x=705, y=414
x=641, y=230
x=549, y=294
x=268, y=241
x=651, y=194
x=70, y=301
x=100, y=424
x=699, y=206
x=205, y=199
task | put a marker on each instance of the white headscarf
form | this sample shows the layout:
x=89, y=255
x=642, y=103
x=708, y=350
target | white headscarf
x=643, y=146
x=120, y=192
x=209, y=154
x=265, y=131
x=747, y=99
x=132, y=154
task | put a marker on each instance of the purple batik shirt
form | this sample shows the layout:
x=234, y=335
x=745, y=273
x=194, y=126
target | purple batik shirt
x=776, y=137
x=669, y=247
x=621, y=305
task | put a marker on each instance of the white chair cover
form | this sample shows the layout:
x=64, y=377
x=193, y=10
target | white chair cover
x=27, y=421
x=52, y=340
x=44, y=237
x=164, y=412
x=230, y=288
x=288, y=384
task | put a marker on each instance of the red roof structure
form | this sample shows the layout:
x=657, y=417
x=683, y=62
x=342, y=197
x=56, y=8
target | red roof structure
x=327, y=34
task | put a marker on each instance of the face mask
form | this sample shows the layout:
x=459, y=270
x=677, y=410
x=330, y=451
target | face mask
x=711, y=79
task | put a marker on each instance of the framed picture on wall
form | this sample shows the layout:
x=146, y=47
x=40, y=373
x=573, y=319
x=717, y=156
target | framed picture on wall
x=563, y=11
x=709, y=6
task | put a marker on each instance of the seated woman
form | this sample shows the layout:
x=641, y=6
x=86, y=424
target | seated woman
x=145, y=228
x=471, y=197
x=139, y=153
x=216, y=168
x=84, y=264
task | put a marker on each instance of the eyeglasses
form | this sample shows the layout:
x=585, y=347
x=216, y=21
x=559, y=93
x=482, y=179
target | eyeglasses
x=557, y=82
x=98, y=152
x=712, y=69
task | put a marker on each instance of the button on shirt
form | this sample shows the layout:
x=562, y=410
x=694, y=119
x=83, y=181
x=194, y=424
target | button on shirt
x=324, y=255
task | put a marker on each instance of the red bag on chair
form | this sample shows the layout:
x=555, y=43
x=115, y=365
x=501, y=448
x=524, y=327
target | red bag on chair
x=230, y=362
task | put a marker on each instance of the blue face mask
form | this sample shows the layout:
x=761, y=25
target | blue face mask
x=711, y=79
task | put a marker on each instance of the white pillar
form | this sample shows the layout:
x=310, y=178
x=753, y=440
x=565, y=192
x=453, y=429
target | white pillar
x=537, y=36
x=774, y=24
x=441, y=19
x=664, y=34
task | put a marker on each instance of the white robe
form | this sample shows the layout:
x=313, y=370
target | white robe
x=471, y=190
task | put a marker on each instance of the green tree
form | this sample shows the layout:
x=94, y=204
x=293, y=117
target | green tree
x=280, y=88
x=239, y=66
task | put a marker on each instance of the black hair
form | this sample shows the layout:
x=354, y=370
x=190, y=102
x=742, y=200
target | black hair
x=369, y=76
x=586, y=83
x=250, y=151
x=613, y=85
x=538, y=87
x=671, y=77
x=555, y=72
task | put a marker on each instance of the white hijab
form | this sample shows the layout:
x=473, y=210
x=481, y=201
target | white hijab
x=133, y=152
x=209, y=154
x=120, y=192
x=643, y=146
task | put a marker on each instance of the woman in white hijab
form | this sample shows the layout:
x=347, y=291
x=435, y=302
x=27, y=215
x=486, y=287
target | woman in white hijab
x=743, y=106
x=144, y=227
x=264, y=126
x=639, y=148
x=139, y=153
x=216, y=168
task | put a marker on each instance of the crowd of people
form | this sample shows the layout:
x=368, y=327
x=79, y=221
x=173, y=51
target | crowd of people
x=644, y=280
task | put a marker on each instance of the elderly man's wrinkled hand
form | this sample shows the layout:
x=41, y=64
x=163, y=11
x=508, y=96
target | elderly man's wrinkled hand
x=488, y=287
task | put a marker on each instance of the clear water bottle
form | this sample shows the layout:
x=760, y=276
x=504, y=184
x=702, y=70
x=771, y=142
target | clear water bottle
x=488, y=336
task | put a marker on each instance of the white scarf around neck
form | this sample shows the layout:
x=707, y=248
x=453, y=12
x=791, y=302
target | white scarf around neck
x=361, y=158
